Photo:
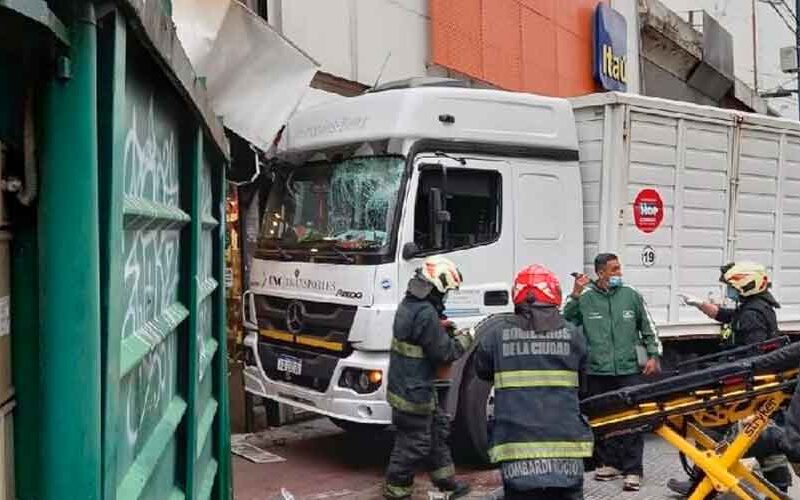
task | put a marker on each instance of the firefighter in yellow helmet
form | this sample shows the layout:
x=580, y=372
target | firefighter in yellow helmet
x=751, y=321
x=423, y=340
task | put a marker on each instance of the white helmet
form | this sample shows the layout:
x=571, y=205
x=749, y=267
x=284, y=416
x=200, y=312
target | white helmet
x=748, y=278
x=441, y=273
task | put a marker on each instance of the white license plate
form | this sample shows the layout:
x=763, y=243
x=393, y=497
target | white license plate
x=290, y=365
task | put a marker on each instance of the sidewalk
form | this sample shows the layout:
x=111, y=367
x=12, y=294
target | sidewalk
x=322, y=462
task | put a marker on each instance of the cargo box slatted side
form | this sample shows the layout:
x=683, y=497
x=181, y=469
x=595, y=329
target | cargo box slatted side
x=730, y=188
x=767, y=221
x=788, y=287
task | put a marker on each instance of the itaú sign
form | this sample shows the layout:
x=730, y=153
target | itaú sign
x=610, y=49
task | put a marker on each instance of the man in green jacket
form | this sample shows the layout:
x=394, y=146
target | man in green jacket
x=616, y=324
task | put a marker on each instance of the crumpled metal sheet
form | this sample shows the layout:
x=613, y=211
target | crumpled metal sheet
x=255, y=77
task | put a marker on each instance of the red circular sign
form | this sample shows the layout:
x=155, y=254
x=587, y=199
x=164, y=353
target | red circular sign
x=648, y=210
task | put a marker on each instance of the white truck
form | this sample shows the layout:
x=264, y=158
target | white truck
x=368, y=186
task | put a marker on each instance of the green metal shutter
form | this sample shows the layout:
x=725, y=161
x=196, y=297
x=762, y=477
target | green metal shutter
x=165, y=405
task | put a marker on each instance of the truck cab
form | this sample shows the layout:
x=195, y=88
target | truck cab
x=367, y=187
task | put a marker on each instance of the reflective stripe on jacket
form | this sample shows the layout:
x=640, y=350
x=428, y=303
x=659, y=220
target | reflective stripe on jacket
x=419, y=346
x=536, y=373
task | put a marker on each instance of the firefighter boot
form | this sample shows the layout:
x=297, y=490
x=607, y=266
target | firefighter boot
x=455, y=488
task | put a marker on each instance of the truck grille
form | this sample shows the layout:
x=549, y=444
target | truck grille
x=313, y=326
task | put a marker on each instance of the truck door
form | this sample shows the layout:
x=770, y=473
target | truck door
x=548, y=220
x=459, y=209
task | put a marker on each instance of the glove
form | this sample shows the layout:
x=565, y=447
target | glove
x=469, y=332
x=465, y=337
x=690, y=300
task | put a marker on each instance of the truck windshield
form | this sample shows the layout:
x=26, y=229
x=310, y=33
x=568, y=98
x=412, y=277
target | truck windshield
x=333, y=208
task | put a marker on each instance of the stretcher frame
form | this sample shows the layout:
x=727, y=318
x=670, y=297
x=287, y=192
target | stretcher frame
x=747, y=401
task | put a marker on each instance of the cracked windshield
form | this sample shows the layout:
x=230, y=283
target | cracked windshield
x=348, y=205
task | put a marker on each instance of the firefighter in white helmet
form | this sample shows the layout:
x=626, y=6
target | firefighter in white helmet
x=751, y=321
x=423, y=340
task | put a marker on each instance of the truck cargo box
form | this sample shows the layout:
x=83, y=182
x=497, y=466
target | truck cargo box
x=678, y=189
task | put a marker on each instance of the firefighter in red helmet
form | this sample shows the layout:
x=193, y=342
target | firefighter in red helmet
x=535, y=359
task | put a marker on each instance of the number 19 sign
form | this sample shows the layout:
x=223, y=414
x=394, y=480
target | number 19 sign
x=648, y=210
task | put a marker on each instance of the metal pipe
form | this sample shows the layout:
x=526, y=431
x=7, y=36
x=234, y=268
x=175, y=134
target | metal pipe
x=224, y=487
x=69, y=277
x=278, y=14
x=755, y=48
x=352, y=9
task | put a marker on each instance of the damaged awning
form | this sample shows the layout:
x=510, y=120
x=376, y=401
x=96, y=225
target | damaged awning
x=255, y=77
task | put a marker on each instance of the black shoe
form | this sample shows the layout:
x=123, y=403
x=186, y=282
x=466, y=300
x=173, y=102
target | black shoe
x=456, y=488
x=683, y=488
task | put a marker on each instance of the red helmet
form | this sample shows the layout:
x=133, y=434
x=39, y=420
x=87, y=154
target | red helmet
x=540, y=283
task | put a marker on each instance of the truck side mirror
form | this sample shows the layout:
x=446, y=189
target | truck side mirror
x=410, y=250
x=439, y=217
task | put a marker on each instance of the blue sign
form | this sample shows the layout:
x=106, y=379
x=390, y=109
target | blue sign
x=610, y=48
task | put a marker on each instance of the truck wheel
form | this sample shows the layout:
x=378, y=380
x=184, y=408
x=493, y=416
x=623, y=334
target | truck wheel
x=475, y=408
x=356, y=427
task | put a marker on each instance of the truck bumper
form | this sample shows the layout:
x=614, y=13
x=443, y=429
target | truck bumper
x=337, y=402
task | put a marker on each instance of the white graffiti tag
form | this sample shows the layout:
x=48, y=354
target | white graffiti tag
x=150, y=388
x=151, y=263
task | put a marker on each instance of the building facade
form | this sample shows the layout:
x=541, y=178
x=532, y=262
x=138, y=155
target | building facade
x=542, y=46
x=759, y=30
x=539, y=46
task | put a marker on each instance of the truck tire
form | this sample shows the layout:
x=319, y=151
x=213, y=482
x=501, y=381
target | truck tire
x=356, y=427
x=471, y=439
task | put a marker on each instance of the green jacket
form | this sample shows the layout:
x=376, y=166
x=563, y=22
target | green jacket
x=614, y=322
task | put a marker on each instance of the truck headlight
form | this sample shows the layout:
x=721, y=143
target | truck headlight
x=361, y=381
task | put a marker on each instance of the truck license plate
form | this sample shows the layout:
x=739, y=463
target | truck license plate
x=290, y=365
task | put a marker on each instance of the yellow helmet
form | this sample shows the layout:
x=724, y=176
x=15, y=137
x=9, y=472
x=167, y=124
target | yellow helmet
x=441, y=273
x=748, y=278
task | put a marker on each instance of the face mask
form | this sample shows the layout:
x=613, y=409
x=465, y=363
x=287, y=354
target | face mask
x=732, y=293
x=615, y=281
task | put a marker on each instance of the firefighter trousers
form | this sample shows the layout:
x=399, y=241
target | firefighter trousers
x=420, y=444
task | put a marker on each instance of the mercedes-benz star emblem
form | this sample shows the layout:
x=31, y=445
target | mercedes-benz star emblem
x=294, y=317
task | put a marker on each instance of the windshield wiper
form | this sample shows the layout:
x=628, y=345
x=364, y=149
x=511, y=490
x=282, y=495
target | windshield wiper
x=283, y=253
x=347, y=258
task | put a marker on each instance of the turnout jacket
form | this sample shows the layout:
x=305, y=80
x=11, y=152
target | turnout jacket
x=419, y=345
x=614, y=323
x=535, y=360
x=753, y=321
x=790, y=444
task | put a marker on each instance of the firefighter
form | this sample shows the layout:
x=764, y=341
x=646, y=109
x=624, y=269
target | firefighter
x=535, y=360
x=423, y=341
x=753, y=320
x=790, y=439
